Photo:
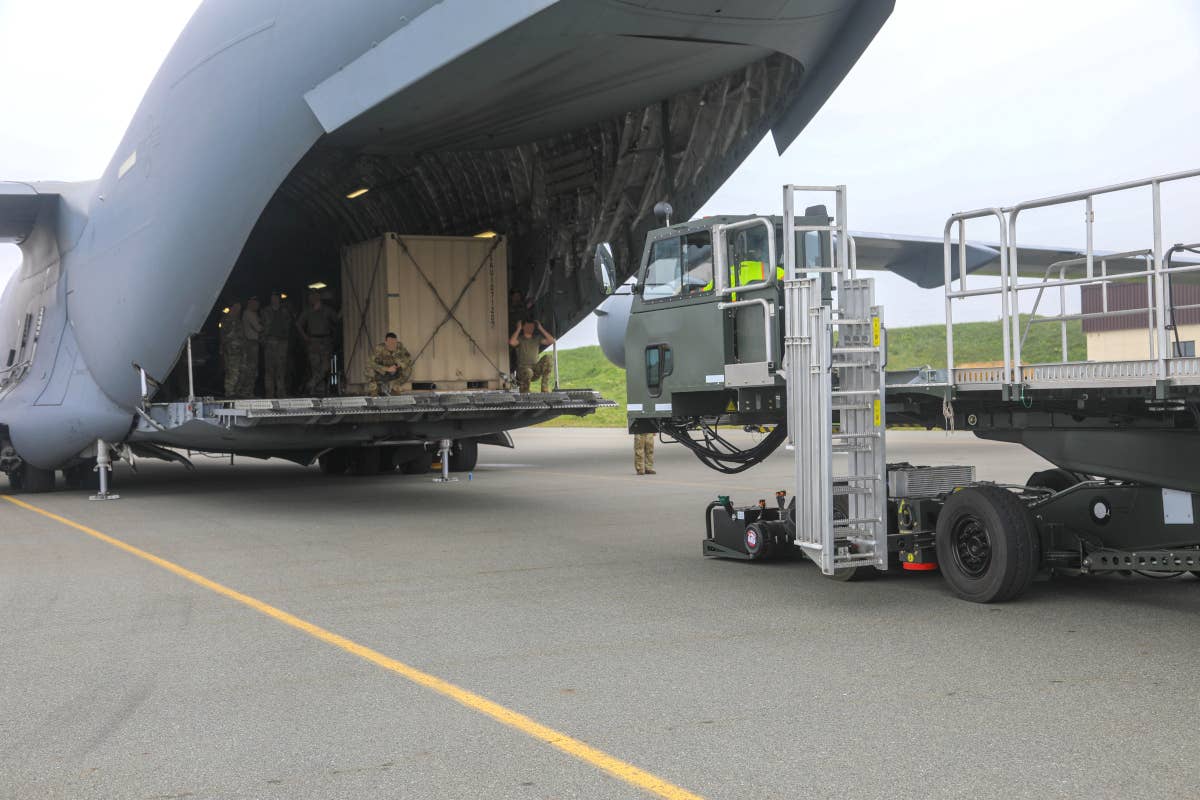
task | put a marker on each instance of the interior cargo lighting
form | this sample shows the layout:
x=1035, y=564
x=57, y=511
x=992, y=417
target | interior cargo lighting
x=318, y=285
x=283, y=296
x=225, y=310
x=486, y=235
x=359, y=192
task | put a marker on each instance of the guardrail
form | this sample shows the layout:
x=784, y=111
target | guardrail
x=1156, y=271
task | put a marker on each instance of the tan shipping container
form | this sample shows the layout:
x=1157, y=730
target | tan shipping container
x=405, y=284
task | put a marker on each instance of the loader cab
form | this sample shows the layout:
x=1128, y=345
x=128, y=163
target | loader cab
x=698, y=344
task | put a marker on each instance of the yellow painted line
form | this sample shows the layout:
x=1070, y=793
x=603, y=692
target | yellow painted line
x=567, y=744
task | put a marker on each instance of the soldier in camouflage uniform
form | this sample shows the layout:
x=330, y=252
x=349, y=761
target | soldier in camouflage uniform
x=317, y=325
x=389, y=367
x=233, y=348
x=277, y=328
x=528, y=347
x=643, y=453
x=252, y=329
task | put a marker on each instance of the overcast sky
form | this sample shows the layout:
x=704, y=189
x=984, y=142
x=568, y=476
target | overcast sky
x=955, y=105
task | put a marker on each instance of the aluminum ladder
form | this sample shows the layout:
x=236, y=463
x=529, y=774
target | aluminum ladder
x=846, y=337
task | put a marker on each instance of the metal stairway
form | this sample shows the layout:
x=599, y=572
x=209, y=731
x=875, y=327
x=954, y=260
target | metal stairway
x=822, y=341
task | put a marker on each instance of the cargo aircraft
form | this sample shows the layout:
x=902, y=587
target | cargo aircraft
x=275, y=134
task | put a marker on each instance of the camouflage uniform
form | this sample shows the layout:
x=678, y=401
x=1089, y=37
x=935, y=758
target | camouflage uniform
x=233, y=352
x=251, y=329
x=643, y=453
x=379, y=381
x=277, y=328
x=529, y=366
x=319, y=325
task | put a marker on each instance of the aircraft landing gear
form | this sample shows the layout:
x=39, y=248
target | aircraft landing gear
x=31, y=480
x=457, y=455
x=464, y=455
x=82, y=476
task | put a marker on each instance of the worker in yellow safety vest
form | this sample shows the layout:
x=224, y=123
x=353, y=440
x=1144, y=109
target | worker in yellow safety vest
x=747, y=272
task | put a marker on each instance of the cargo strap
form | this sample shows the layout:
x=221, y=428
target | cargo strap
x=451, y=308
x=362, y=312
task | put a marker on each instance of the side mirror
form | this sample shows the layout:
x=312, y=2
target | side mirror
x=606, y=268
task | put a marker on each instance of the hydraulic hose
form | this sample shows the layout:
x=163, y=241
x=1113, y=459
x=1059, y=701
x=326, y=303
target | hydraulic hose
x=716, y=452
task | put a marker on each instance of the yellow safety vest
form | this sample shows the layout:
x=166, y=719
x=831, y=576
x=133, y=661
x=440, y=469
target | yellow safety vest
x=747, y=272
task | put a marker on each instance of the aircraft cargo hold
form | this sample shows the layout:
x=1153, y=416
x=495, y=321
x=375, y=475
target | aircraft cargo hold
x=444, y=296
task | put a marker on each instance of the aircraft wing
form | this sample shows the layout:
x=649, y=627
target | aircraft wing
x=20, y=204
x=920, y=259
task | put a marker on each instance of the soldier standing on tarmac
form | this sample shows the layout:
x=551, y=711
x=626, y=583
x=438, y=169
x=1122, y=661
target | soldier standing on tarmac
x=233, y=348
x=528, y=347
x=252, y=326
x=643, y=453
x=389, y=368
x=277, y=328
x=317, y=325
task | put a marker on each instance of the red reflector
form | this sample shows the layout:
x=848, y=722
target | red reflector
x=919, y=567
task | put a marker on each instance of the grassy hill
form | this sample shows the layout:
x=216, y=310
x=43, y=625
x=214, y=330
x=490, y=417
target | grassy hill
x=908, y=348
x=980, y=342
x=587, y=368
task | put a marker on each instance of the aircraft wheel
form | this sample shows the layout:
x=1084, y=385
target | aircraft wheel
x=464, y=455
x=419, y=465
x=364, y=461
x=987, y=544
x=83, y=476
x=333, y=462
x=32, y=480
x=387, y=459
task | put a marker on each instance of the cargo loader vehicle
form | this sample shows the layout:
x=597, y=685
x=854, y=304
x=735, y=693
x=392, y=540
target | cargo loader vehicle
x=771, y=322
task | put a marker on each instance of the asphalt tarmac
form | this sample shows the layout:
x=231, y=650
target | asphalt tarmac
x=548, y=629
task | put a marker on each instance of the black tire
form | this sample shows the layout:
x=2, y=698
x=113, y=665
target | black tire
x=854, y=575
x=464, y=455
x=32, y=480
x=364, y=461
x=419, y=465
x=387, y=459
x=987, y=544
x=1056, y=480
x=333, y=462
x=83, y=476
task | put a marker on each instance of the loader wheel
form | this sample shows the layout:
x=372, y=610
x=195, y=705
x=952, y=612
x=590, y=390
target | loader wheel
x=1056, y=480
x=987, y=544
x=854, y=574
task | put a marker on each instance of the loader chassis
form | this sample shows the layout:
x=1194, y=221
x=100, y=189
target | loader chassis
x=1125, y=436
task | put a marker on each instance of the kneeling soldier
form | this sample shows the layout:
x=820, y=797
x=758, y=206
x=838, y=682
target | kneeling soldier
x=528, y=348
x=389, y=368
